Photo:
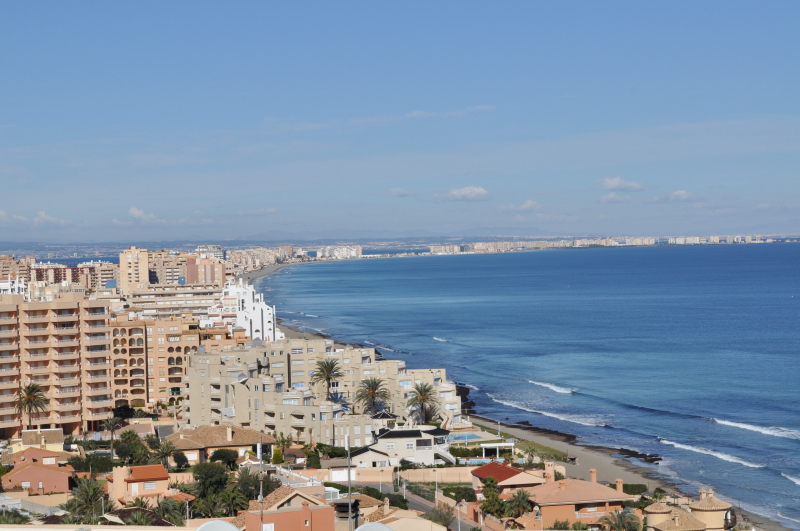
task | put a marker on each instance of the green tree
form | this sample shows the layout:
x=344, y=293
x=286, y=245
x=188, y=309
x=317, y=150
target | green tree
x=580, y=526
x=424, y=401
x=152, y=441
x=371, y=394
x=111, y=425
x=519, y=504
x=283, y=442
x=228, y=457
x=492, y=504
x=232, y=500
x=86, y=500
x=181, y=461
x=209, y=506
x=13, y=517
x=210, y=478
x=139, y=414
x=165, y=452
x=30, y=400
x=560, y=525
x=142, y=503
x=139, y=518
x=123, y=412
x=621, y=521
x=247, y=483
x=171, y=511
x=326, y=371
x=277, y=457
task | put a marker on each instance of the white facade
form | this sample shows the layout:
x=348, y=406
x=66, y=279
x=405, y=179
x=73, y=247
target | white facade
x=241, y=307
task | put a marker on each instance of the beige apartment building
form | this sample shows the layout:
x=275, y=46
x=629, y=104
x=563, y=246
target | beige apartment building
x=268, y=386
x=163, y=301
x=64, y=346
x=12, y=268
x=133, y=270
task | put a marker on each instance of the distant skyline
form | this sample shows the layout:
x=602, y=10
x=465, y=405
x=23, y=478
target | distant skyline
x=205, y=121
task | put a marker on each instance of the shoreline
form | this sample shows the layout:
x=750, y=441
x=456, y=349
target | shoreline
x=608, y=462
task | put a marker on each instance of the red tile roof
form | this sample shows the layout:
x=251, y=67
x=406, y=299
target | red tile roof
x=496, y=470
x=147, y=473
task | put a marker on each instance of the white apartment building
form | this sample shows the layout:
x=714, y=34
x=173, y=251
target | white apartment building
x=424, y=445
x=240, y=306
x=267, y=386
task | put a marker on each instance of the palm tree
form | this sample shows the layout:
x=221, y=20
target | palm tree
x=139, y=518
x=424, y=400
x=164, y=453
x=519, y=504
x=209, y=506
x=139, y=414
x=232, y=500
x=142, y=503
x=171, y=511
x=86, y=500
x=621, y=521
x=112, y=425
x=13, y=517
x=326, y=371
x=30, y=400
x=372, y=393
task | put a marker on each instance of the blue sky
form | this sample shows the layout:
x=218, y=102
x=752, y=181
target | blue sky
x=156, y=120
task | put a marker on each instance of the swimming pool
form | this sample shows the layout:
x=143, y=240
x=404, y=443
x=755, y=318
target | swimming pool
x=461, y=437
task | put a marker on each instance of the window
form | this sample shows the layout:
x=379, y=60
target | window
x=405, y=383
x=297, y=374
x=310, y=351
x=591, y=508
x=277, y=365
x=255, y=388
x=25, y=484
x=297, y=362
x=40, y=484
x=267, y=527
x=409, y=446
x=149, y=485
x=202, y=374
x=300, y=385
x=49, y=461
x=390, y=446
x=295, y=351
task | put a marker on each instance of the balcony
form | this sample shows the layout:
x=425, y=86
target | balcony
x=595, y=514
x=9, y=369
x=8, y=334
x=9, y=346
x=65, y=329
x=39, y=369
x=98, y=376
x=71, y=407
x=39, y=380
x=96, y=352
x=38, y=331
x=12, y=384
x=8, y=320
x=37, y=354
x=68, y=392
x=36, y=319
x=106, y=400
x=65, y=355
x=60, y=318
x=99, y=414
x=92, y=340
x=94, y=312
x=98, y=390
x=66, y=342
x=72, y=416
x=98, y=364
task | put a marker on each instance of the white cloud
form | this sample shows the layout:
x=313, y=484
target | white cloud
x=42, y=219
x=677, y=196
x=399, y=192
x=615, y=198
x=468, y=193
x=530, y=204
x=618, y=183
x=255, y=212
x=140, y=217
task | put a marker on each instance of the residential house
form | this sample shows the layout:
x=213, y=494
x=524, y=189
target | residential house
x=149, y=481
x=37, y=455
x=287, y=509
x=573, y=500
x=509, y=479
x=422, y=444
x=200, y=443
x=709, y=513
x=39, y=478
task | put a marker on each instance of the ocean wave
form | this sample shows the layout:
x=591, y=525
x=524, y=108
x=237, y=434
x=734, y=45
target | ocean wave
x=793, y=479
x=788, y=518
x=775, y=431
x=443, y=340
x=706, y=451
x=311, y=315
x=473, y=387
x=575, y=419
x=553, y=387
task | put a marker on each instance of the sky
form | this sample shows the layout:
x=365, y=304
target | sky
x=215, y=120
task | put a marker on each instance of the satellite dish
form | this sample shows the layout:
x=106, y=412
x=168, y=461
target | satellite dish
x=372, y=526
x=218, y=525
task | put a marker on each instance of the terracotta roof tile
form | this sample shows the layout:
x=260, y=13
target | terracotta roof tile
x=497, y=471
x=215, y=436
x=147, y=473
x=680, y=520
x=710, y=503
x=568, y=491
x=34, y=438
x=52, y=468
x=657, y=508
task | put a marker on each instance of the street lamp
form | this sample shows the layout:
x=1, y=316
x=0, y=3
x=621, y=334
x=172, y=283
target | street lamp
x=436, y=488
x=380, y=480
x=458, y=515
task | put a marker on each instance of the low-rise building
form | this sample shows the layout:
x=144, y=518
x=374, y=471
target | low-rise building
x=200, y=443
x=38, y=478
x=424, y=445
x=509, y=479
x=286, y=508
x=129, y=482
x=709, y=513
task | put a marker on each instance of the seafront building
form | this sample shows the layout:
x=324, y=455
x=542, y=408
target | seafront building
x=268, y=386
x=241, y=307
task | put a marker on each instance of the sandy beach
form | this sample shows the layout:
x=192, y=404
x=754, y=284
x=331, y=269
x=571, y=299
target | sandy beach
x=606, y=461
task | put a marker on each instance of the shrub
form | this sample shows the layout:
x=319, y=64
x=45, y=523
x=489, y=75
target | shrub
x=460, y=492
x=181, y=461
x=395, y=500
x=228, y=457
x=332, y=452
x=580, y=526
x=210, y=478
x=277, y=457
x=442, y=514
x=313, y=460
x=633, y=488
x=560, y=524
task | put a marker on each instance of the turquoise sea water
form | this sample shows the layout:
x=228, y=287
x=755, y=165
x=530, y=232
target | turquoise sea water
x=692, y=353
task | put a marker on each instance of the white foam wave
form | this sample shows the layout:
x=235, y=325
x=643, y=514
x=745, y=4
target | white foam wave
x=793, y=479
x=473, y=387
x=311, y=315
x=443, y=340
x=575, y=419
x=706, y=451
x=553, y=387
x=788, y=518
x=775, y=431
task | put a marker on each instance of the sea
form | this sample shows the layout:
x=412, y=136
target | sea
x=688, y=352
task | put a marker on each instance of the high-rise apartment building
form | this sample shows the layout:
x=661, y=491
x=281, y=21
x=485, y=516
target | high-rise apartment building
x=133, y=270
x=63, y=346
